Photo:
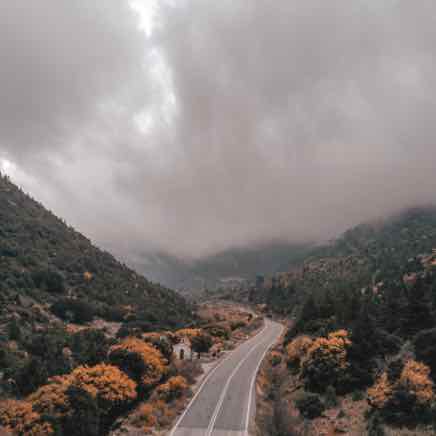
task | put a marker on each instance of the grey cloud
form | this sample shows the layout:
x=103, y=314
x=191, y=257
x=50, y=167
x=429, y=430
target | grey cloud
x=269, y=120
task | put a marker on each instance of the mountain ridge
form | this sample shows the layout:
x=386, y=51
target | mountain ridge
x=49, y=263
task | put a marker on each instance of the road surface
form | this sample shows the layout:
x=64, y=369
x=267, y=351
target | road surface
x=224, y=403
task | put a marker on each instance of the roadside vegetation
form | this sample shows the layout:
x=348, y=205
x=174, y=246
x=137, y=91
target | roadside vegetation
x=359, y=354
x=77, y=379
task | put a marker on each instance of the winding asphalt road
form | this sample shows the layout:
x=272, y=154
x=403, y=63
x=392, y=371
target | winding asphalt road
x=224, y=403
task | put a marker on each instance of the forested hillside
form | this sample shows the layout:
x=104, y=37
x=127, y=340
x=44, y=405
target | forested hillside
x=363, y=340
x=43, y=261
x=362, y=258
x=53, y=282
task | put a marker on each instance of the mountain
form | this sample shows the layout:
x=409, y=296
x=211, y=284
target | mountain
x=228, y=268
x=48, y=269
x=361, y=336
x=368, y=254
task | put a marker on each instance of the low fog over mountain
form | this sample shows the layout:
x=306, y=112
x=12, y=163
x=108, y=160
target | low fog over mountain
x=192, y=127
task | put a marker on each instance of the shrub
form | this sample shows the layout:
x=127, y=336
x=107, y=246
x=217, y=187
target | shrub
x=31, y=374
x=134, y=328
x=14, y=330
x=276, y=358
x=380, y=393
x=188, y=333
x=164, y=414
x=188, y=369
x=107, y=384
x=309, y=405
x=52, y=399
x=144, y=417
x=77, y=311
x=114, y=313
x=357, y=395
x=237, y=325
x=415, y=378
x=20, y=418
x=172, y=389
x=405, y=399
x=330, y=399
x=425, y=350
x=49, y=280
x=375, y=425
x=201, y=343
x=85, y=417
x=326, y=360
x=89, y=346
x=47, y=359
x=86, y=400
x=296, y=351
x=162, y=343
x=219, y=331
x=140, y=360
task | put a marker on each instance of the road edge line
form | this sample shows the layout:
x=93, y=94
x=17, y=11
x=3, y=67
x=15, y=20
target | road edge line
x=205, y=381
x=253, y=381
x=220, y=402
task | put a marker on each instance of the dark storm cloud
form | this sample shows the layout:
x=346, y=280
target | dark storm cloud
x=236, y=122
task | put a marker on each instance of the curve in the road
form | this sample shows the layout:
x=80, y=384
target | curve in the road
x=222, y=405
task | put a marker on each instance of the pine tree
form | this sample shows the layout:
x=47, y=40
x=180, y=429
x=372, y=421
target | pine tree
x=417, y=314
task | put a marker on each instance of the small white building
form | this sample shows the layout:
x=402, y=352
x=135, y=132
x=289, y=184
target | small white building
x=185, y=346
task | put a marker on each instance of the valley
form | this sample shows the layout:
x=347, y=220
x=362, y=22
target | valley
x=86, y=339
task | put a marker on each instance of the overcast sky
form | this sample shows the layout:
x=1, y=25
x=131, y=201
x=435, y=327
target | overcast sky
x=190, y=126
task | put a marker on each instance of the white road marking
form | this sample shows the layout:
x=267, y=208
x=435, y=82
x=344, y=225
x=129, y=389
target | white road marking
x=205, y=381
x=226, y=387
x=253, y=381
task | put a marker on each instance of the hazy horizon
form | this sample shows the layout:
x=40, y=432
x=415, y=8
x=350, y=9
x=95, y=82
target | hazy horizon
x=192, y=127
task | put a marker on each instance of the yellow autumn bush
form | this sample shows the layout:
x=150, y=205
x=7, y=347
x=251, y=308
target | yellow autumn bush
x=415, y=378
x=140, y=360
x=412, y=391
x=333, y=348
x=18, y=417
x=52, y=398
x=144, y=417
x=189, y=333
x=380, y=393
x=106, y=383
x=296, y=350
x=325, y=362
x=109, y=386
x=172, y=389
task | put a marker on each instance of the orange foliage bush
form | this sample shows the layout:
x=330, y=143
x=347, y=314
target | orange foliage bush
x=109, y=386
x=144, y=417
x=87, y=276
x=333, y=348
x=106, y=383
x=414, y=380
x=380, y=393
x=296, y=351
x=163, y=413
x=189, y=333
x=18, y=417
x=140, y=360
x=172, y=389
x=326, y=362
x=407, y=398
x=52, y=399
